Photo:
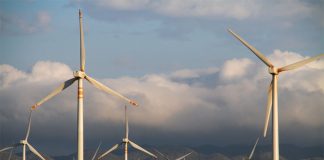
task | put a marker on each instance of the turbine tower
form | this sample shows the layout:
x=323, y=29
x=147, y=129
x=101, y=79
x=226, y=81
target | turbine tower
x=79, y=76
x=125, y=142
x=25, y=143
x=273, y=91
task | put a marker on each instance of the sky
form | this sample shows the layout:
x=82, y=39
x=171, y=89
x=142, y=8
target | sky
x=195, y=83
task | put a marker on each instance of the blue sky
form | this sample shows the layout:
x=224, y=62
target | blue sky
x=145, y=41
x=175, y=56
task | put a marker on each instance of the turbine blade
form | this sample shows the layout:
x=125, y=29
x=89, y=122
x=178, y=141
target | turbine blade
x=141, y=149
x=164, y=156
x=32, y=149
x=268, y=111
x=29, y=124
x=252, y=152
x=59, y=89
x=82, y=48
x=95, y=154
x=7, y=148
x=182, y=157
x=110, y=150
x=109, y=90
x=300, y=63
x=254, y=50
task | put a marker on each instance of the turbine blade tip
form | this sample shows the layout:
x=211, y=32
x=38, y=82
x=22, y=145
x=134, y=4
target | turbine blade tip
x=80, y=13
x=265, y=135
x=34, y=107
x=134, y=103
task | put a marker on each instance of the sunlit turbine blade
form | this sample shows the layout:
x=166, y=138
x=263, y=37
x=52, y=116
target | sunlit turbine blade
x=268, y=111
x=59, y=89
x=32, y=149
x=182, y=157
x=254, y=50
x=95, y=154
x=300, y=63
x=110, y=150
x=164, y=156
x=252, y=152
x=82, y=48
x=108, y=90
x=141, y=149
x=29, y=124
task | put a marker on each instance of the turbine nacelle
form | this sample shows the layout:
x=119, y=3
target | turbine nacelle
x=79, y=74
x=125, y=140
x=23, y=142
x=273, y=70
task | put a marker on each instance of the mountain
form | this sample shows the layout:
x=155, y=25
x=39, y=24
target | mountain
x=204, y=152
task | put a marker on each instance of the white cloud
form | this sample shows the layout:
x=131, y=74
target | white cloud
x=236, y=68
x=307, y=81
x=208, y=8
x=123, y=4
x=172, y=105
x=193, y=73
x=240, y=10
x=50, y=71
x=9, y=75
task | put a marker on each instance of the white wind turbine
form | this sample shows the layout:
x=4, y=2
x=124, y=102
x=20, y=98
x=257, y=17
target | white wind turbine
x=79, y=76
x=25, y=143
x=126, y=141
x=180, y=158
x=273, y=91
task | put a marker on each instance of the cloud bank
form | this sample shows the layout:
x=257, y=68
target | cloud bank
x=219, y=105
x=239, y=10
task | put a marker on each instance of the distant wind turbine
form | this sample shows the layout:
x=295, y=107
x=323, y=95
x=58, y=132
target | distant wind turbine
x=180, y=158
x=25, y=143
x=95, y=154
x=79, y=76
x=125, y=142
x=273, y=91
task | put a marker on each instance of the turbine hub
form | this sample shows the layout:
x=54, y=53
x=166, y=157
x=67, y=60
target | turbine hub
x=23, y=142
x=125, y=140
x=273, y=70
x=79, y=74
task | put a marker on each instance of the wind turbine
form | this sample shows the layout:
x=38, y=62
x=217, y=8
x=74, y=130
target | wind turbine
x=79, y=76
x=95, y=154
x=25, y=143
x=180, y=158
x=273, y=91
x=125, y=142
